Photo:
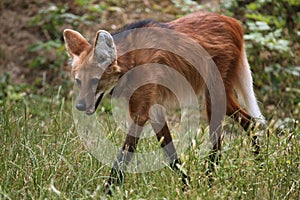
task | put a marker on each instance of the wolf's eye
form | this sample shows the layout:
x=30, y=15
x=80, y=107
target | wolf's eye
x=94, y=81
x=78, y=82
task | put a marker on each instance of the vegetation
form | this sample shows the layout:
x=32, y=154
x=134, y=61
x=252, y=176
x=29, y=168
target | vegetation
x=43, y=157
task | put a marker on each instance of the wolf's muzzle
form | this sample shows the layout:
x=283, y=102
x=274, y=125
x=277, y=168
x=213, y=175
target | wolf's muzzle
x=81, y=106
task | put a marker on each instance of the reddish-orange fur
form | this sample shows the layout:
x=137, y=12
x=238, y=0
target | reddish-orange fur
x=220, y=36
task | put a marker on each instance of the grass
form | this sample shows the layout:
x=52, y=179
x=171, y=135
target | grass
x=43, y=157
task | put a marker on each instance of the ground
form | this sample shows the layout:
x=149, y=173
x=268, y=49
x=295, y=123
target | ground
x=42, y=155
x=18, y=32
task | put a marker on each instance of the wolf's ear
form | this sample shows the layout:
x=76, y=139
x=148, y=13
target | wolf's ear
x=104, y=48
x=75, y=43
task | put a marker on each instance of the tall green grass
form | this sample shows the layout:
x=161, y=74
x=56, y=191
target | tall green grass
x=42, y=156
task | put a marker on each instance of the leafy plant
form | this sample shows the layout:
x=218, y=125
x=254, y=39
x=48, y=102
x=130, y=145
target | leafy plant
x=55, y=51
x=11, y=92
x=52, y=18
x=269, y=40
x=50, y=21
x=4, y=81
x=187, y=6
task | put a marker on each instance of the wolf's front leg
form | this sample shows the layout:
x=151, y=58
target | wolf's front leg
x=123, y=158
x=163, y=135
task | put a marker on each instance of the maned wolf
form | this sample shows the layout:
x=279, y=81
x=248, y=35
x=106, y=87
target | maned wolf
x=97, y=68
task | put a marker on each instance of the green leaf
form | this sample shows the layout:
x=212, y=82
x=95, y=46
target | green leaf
x=262, y=26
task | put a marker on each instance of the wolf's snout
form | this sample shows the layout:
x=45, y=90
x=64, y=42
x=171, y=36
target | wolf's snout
x=81, y=106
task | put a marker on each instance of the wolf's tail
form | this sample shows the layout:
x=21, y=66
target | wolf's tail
x=244, y=88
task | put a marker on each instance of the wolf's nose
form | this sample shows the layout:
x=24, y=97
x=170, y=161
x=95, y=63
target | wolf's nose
x=81, y=106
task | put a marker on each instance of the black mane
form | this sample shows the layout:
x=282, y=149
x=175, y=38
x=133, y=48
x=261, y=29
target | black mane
x=141, y=24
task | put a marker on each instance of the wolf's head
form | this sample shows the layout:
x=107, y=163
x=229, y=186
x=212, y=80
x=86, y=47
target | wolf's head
x=94, y=67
